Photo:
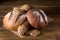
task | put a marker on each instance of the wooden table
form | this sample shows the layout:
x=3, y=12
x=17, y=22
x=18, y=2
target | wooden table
x=51, y=32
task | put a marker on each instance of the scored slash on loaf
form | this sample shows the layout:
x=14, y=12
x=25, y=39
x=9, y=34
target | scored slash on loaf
x=22, y=18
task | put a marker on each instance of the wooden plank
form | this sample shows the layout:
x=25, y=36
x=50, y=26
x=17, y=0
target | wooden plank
x=51, y=32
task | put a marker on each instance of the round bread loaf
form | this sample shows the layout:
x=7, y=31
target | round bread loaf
x=37, y=18
x=13, y=19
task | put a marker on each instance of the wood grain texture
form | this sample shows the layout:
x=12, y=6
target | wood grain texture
x=51, y=8
x=51, y=32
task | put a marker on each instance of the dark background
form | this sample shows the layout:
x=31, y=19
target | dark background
x=50, y=7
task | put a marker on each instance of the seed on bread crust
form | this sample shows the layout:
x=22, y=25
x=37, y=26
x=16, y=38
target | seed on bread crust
x=23, y=29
